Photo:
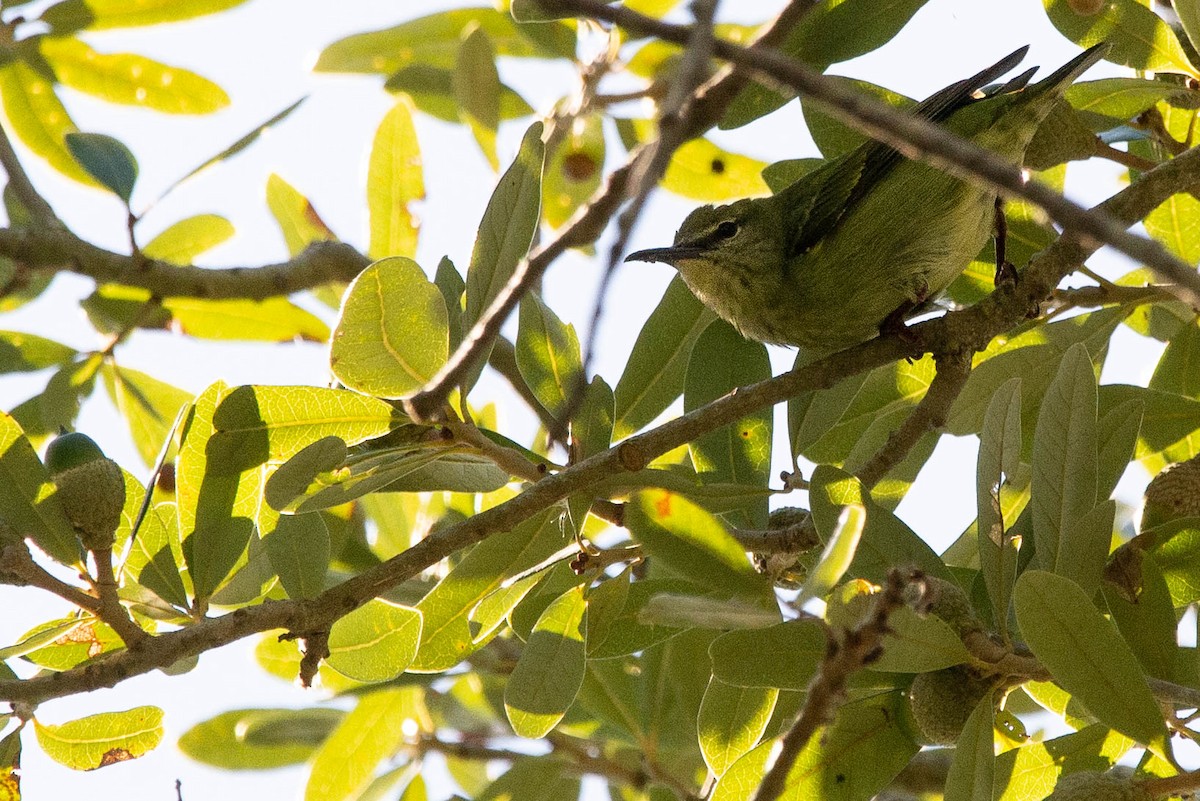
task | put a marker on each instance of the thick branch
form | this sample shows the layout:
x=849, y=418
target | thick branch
x=321, y=263
x=917, y=139
x=970, y=328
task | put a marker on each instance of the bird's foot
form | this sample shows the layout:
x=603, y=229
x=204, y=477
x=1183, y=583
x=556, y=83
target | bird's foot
x=1006, y=273
x=894, y=324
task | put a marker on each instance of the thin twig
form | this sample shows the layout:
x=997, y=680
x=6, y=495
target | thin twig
x=929, y=415
x=858, y=647
x=1132, y=160
x=917, y=139
x=111, y=610
x=18, y=569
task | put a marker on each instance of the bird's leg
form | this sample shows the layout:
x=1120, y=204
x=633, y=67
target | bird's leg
x=1005, y=271
x=894, y=323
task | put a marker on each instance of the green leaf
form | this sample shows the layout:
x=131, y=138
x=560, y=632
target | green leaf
x=1118, y=429
x=155, y=558
x=346, y=761
x=270, y=320
x=628, y=632
x=574, y=170
x=375, y=642
x=393, y=333
x=105, y=159
x=1123, y=98
x=1084, y=549
x=1139, y=37
x=721, y=361
x=834, y=137
x=1087, y=656
x=1176, y=224
x=999, y=456
x=1189, y=19
x=431, y=90
x=1033, y=769
x=918, y=644
x=183, y=242
x=29, y=505
x=731, y=721
x=298, y=219
x=546, y=679
x=830, y=33
x=98, y=15
x=548, y=356
x=394, y=181
x=218, y=499
x=533, y=779
x=506, y=230
x=148, y=406
x=434, y=40
x=130, y=79
x=691, y=543
x=973, y=767
x=840, y=546
x=886, y=541
x=39, y=118
x=26, y=353
x=255, y=423
x=1148, y=624
x=101, y=740
x=654, y=374
x=477, y=91
x=298, y=547
x=804, y=641
x=447, y=636
x=259, y=739
x=1064, y=458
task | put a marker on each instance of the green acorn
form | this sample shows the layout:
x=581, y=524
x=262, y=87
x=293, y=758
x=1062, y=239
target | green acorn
x=91, y=487
x=1117, y=784
x=948, y=601
x=1174, y=493
x=941, y=702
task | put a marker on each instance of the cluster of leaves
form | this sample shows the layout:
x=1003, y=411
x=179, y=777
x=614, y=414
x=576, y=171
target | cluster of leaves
x=663, y=664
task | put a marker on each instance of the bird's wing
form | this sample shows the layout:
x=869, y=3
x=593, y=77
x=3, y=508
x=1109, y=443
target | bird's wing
x=816, y=203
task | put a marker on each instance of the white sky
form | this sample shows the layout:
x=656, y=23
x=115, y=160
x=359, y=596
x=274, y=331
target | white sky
x=260, y=54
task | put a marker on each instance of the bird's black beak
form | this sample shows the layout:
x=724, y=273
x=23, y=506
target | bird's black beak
x=669, y=255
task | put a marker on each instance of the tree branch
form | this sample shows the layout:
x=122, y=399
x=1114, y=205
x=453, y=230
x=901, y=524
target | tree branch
x=953, y=368
x=57, y=248
x=916, y=139
x=970, y=328
x=40, y=211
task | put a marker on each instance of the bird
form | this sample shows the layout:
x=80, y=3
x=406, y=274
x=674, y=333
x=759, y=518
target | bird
x=852, y=247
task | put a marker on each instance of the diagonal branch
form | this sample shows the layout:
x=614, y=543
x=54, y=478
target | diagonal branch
x=970, y=328
x=953, y=368
x=917, y=139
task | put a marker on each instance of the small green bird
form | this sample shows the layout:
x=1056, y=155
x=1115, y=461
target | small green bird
x=867, y=237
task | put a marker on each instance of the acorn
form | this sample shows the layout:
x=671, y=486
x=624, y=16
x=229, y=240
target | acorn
x=1117, y=784
x=948, y=601
x=941, y=702
x=1174, y=493
x=91, y=487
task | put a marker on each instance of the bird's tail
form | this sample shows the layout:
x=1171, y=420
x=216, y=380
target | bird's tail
x=1065, y=75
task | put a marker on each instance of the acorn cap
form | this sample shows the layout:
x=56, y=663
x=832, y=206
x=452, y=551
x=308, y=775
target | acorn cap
x=1174, y=493
x=948, y=601
x=93, y=495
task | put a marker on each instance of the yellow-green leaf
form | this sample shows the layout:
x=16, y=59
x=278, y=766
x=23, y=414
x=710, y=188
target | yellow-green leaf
x=394, y=180
x=131, y=79
x=375, y=642
x=393, y=334
x=182, y=242
x=39, y=118
x=101, y=740
x=98, y=15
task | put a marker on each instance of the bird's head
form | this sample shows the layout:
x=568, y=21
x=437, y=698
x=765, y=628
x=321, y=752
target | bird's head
x=740, y=237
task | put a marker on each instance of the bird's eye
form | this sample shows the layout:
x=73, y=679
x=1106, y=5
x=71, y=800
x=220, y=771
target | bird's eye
x=726, y=230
